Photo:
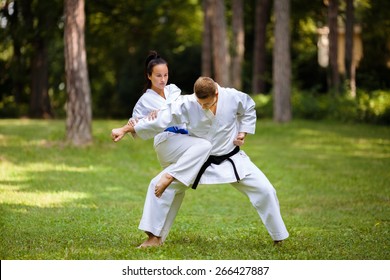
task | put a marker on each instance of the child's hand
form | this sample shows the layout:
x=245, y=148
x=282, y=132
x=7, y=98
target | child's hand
x=240, y=139
x=117, y=134
x=132, y=121
x=152, y=115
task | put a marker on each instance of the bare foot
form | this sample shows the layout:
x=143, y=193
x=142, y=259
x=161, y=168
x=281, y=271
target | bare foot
x=165, y=180
x=152, y=241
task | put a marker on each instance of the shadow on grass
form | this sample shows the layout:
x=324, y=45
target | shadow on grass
x=68, y=232
x=60, y=202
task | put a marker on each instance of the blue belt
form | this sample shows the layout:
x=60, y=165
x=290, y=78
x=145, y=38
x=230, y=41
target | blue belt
x=175, y=129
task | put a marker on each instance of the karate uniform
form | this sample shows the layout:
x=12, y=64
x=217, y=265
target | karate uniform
x=235, y=113
x=173, y=149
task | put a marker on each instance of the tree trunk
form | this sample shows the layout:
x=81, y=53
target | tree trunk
x=78, y=107
x=262, y=14
x=17, y=68
x=206, y=40
x=221, y=58
x=238, y=43
x=350, y=67
x=40, y=106
x=282, y=62
x=333, y=46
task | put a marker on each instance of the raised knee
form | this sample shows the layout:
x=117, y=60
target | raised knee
x=206, y=145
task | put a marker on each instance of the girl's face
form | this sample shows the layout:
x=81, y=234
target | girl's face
x=159, y=77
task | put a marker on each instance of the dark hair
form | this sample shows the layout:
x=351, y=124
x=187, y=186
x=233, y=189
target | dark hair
x=152, y=60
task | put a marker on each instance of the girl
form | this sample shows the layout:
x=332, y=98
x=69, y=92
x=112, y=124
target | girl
x=174, y=146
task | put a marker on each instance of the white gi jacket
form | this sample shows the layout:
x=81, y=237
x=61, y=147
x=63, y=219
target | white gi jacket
x=151, y=101
x=235, y=113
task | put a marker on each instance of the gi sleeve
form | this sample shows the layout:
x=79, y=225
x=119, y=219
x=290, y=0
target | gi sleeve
x=174, y=93
x=246, y=113
x=172, y=114
x=144, y=106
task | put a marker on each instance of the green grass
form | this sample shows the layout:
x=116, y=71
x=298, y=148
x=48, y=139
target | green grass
x=61, y=202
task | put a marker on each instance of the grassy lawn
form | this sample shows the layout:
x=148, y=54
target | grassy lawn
x=61, y=202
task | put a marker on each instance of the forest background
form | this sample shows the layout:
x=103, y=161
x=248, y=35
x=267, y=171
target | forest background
x=62, y=202
x=119, y=34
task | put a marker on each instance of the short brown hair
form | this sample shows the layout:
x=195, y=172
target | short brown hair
x=205, y=87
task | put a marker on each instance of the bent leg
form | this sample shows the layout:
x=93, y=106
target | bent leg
x=165, y=180
x=263, y=197
x=184, y=155
x=159, y=213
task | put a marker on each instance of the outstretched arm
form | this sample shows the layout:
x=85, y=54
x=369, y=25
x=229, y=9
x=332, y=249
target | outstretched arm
x=153, y=124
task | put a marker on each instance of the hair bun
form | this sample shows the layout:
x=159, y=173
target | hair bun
x=152, y=55
x=152, y=60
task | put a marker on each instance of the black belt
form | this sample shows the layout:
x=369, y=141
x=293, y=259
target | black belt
x=217, y=160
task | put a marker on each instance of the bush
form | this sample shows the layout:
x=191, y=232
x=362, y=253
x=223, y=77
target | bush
x=374, y=107
x=307, y=105
x=264, y=107
x=9, y=108
x=368, y=107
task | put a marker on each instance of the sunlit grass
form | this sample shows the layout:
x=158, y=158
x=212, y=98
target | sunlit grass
x=40, y=199
x=62, y=202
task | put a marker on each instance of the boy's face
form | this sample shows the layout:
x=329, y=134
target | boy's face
x=208, y=102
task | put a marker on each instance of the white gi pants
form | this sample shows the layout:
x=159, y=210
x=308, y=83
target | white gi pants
x=184, y=155
x=159, y=213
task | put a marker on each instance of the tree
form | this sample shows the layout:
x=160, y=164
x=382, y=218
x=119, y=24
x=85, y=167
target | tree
x=120, y=33
x=17, y=66
x=221, y=58
x=78, y=107
x=44, y=15
x=334, y=79
x=206, y=39
x=238, y=46
x=31, y=32
x=282, y=62
x=350, y=67
x=262, y=14
x=40, y=101
x=374, y=70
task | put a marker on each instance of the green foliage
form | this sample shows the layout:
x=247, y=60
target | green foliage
x=120, y=33
x=264, y=106
x=307, y=74
x=61, y=202
x=374, y=106
x=308, y=106
x=374, y=70
x=9, y=109
x=366, y=107
x=129, y=29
